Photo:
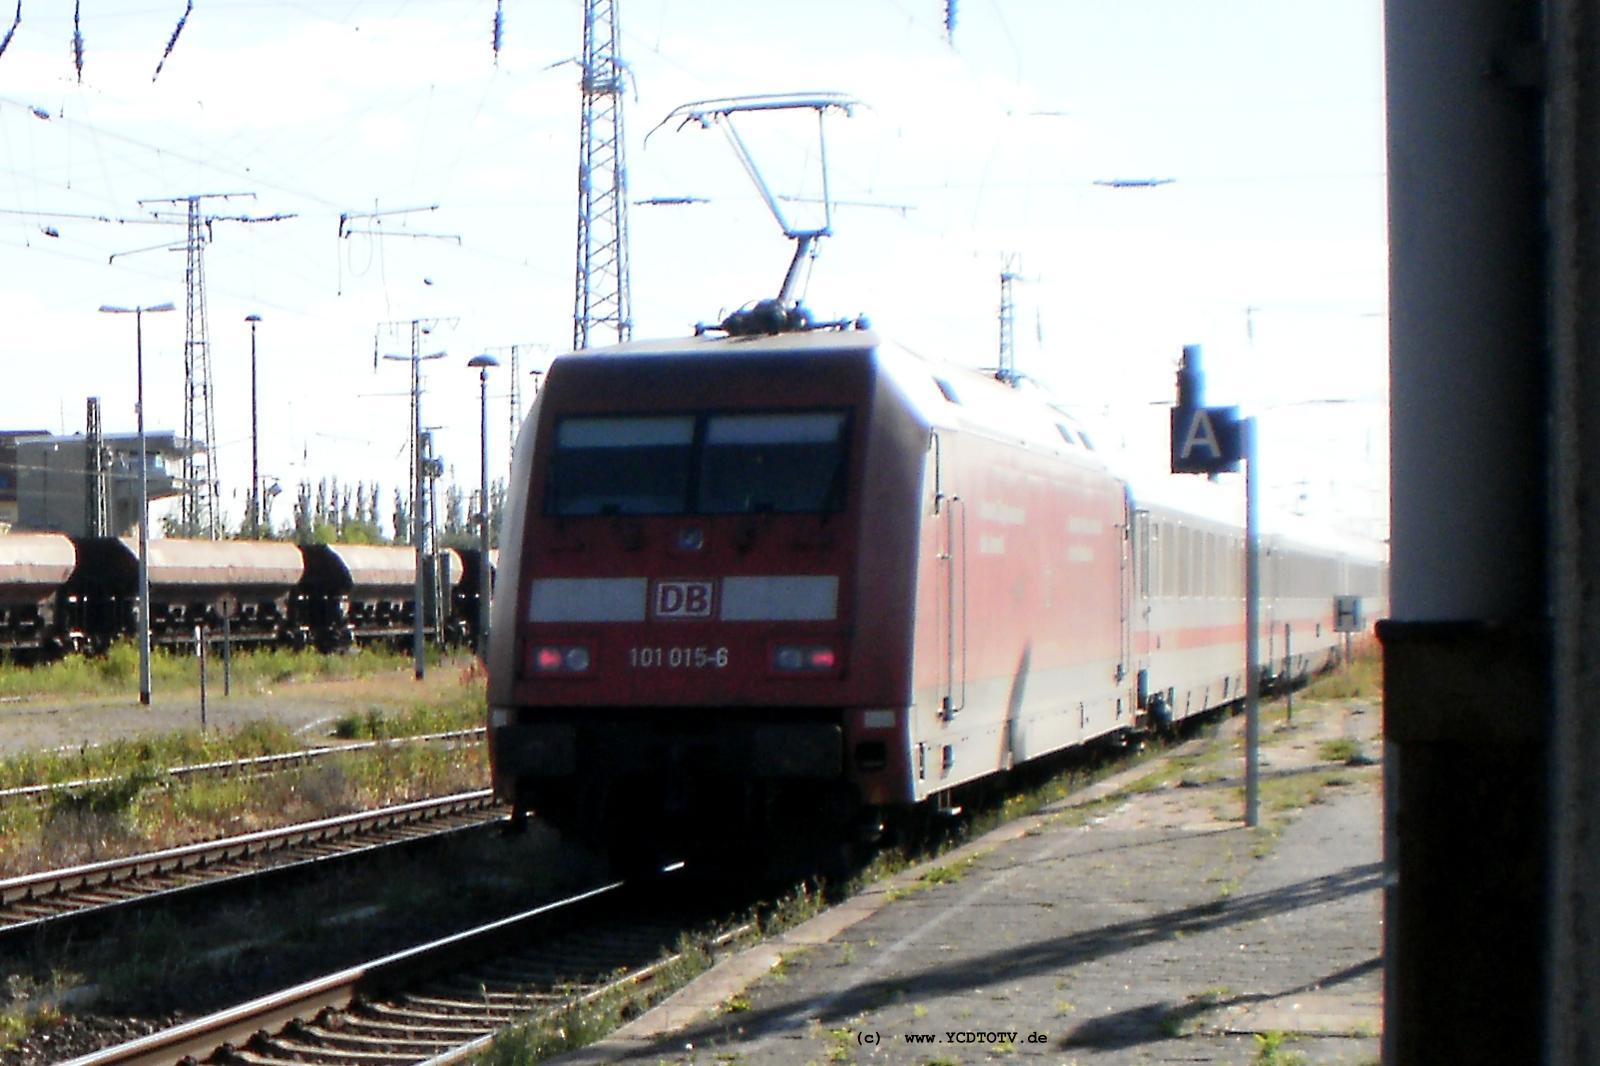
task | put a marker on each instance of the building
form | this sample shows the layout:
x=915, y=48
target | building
x=62, y=484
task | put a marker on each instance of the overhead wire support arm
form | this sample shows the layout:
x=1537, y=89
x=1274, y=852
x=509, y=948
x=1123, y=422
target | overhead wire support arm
x=346, y=217
x=391, y=233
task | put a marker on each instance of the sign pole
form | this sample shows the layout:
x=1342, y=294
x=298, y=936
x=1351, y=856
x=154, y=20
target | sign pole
x=1211, y=441
x=1252, y=625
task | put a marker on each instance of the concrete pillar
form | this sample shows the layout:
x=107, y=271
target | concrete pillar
x=1467, y=647
x=1573, y=121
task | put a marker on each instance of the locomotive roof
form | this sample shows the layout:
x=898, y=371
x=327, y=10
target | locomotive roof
x=946, y=395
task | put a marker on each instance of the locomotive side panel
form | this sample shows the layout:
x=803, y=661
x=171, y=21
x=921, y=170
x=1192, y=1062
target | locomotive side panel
x=1020, y=608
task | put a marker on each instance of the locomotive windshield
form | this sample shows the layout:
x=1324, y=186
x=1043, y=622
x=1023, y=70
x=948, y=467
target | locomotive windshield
x=780, y=462
x=788, y=463
x=621, y=465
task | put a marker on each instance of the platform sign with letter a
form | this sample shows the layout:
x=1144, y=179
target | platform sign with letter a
x=1206, y=440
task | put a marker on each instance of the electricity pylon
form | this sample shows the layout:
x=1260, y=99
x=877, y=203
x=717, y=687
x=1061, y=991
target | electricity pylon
x=201, y=513
x=602, y=299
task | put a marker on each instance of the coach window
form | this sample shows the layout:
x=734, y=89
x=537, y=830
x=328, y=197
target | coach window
x=605, y=466
x=788, y=463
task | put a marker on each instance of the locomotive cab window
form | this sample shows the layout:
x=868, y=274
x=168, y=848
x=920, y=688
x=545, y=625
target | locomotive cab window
x=780, y=462
x=621, y=466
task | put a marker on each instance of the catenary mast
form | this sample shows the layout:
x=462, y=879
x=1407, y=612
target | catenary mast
x=602, y=303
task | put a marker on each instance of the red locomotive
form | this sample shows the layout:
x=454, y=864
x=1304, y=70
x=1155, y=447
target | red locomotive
x=781, y=587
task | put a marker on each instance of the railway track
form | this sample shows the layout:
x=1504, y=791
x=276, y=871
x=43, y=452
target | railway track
x=440, y=1002
x=54, y=897
x=254, y=766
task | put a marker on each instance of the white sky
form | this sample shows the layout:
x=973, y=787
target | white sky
x=1268, y=247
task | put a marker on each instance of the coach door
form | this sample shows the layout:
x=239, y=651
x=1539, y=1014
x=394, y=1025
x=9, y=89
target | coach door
x=1137, y=613
x=951, y=515
x=1126, y=587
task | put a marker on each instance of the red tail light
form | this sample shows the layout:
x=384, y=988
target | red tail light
x=571, y=660
x=804, y=659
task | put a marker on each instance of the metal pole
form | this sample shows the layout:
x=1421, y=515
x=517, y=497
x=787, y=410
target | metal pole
x=1288, y=675
x=144, y=517
x=255, y=438
x=419, y=608
x=227, y=656
x=1252, y=636
x=200, y=654
x=483, y=515
x=418, y=501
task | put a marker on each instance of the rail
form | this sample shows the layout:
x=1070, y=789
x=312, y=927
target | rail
x=286, y=1025
x=255, y=764
x=30, y=901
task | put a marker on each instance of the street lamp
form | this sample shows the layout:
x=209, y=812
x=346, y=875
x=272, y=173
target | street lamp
x=144, y=493
x=255, y=440
x=482, y=363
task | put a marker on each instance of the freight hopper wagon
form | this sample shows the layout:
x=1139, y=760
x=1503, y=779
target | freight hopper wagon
x=785, y=586
x=33, y=567
x=360, y=592
x=192, y=583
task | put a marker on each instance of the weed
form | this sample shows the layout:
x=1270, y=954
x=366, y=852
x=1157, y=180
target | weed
x=581, y=1024
x=1341, y=749
x=1270, y=1051
x=947, y=875
x=736, y=1004
x=1361, y=678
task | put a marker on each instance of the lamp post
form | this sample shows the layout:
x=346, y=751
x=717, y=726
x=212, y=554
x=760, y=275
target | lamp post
x=419, y=609
x=144, y=492
x=482, y=363
x=255, y=439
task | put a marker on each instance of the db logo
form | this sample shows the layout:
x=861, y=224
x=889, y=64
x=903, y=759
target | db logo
x=682, y=599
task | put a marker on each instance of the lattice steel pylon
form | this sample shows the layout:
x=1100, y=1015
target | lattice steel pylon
x=1007, y=370
x=602, y=299
x=201, y=513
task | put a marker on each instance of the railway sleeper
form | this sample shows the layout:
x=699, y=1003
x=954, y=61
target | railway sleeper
x=417, y=1041
x=508, y=1004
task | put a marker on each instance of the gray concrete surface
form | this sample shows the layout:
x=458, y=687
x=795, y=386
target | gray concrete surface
x=1156, y=933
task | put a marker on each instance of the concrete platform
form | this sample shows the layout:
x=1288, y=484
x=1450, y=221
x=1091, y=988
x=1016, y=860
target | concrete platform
x=1150, y=931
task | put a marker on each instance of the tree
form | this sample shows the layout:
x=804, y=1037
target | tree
x=303, y=513
x=402, y=520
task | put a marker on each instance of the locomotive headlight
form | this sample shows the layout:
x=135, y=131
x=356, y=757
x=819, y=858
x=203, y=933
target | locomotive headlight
x=575, y=660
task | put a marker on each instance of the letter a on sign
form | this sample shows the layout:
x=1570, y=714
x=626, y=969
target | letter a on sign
x=1205, y=440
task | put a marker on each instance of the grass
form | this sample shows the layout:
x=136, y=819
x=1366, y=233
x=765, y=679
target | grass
x=139, y=811
x=134, y=805
x=1341, y=749
x=1360, y=678
x=1271, y=1052
x=117, y=671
